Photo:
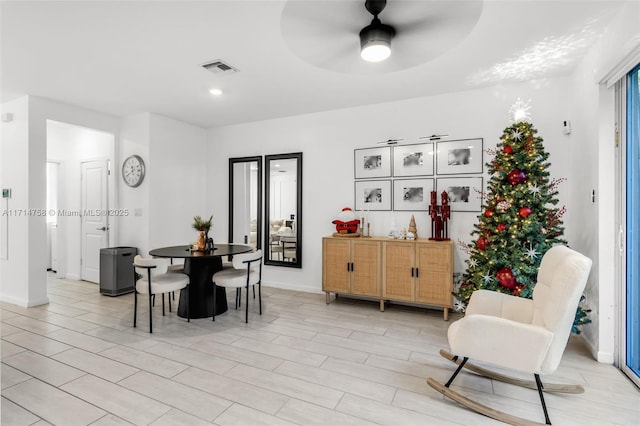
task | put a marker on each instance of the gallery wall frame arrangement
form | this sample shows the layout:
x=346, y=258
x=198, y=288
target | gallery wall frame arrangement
x=373, y=195
x=372, y=162
x=455, y=166
x=457, y=157
x=413, y=160
x=464, y=195
x=412, y=194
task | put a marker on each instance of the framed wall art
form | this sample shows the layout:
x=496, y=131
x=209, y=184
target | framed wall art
x=463, y=193
x=372, y=162
x=372, y=195
x=413, y=160
x=459, y=157
x=412, y=194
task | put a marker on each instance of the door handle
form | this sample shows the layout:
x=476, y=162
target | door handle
x=104, y=228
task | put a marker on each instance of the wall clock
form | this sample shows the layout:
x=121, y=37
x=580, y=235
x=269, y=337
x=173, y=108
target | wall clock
x=133, y=171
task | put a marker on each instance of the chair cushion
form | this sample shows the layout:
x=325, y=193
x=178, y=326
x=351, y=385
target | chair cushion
x=164, y=283
x=499, y=341
x=176, y=268
x=234, y=278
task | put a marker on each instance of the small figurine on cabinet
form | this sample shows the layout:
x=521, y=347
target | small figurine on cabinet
x=412, y=228
x=347, y=222
x=440, y=215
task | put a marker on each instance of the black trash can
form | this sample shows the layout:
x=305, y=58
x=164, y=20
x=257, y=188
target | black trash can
x=116, y=270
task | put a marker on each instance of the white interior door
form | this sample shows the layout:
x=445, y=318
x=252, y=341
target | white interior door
x=95, y=223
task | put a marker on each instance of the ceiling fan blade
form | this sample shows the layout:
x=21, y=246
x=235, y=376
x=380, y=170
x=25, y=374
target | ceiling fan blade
x=325, y=33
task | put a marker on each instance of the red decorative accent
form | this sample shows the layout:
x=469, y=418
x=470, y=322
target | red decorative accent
x=501, y=227
x=516, y=177
x=507, y=149
x=440, y=216
x=347, y=223
x=489, y=213
x=524, y=211
x=506, y=279
x=482, y=243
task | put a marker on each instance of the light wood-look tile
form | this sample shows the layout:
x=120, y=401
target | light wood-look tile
x=131, y=406
x=303, y=413
x=36, y=343
x=52, y=404
x=43, y=368
x=179, y=418
x=302, y=362
x=14, y=415
x=193, y=401
x=239, y=415
x=296, y=388
x=354, y=385
x=233, y=390
x=80, y=340
x=96, y=365
x=9, y=376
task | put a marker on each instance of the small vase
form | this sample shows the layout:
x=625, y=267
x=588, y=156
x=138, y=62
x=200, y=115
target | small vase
x=202, y=241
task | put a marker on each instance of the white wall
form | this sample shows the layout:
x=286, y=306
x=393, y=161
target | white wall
x=23, y=168
x=173, y=191
x=592, y=143
x=17, y=285
x=70, y=146
x=178, y=164
x=133, y=230
x=327, y=141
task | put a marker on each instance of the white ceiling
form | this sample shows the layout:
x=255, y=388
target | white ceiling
x=123, y=58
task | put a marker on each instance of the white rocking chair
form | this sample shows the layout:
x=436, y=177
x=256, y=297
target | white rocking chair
x=527, y=335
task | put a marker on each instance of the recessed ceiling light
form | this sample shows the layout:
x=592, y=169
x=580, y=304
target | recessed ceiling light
x=216, y=92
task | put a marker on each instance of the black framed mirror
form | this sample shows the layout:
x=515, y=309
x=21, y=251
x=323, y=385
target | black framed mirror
x=283, y=210
x=245, y=201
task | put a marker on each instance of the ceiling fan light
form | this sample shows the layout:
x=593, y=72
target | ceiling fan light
x=375, y=42
x=376, y=51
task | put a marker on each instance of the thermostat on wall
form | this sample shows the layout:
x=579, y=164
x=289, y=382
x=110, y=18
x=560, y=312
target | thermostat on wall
x=6, y=193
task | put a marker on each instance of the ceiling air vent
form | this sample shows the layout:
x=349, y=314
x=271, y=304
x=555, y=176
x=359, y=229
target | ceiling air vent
x=219, y=67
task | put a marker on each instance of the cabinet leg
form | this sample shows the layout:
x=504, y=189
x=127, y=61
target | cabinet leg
x=446, y=314
x=381, y=305
x=328, y=297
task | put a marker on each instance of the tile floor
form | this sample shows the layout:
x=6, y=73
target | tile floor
x=79, y=361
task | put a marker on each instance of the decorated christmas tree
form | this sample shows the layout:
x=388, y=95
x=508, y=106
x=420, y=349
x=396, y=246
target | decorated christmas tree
x=520, y=219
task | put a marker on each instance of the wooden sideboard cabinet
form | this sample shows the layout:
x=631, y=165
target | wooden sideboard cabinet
x=351, y=266
x=419, y=271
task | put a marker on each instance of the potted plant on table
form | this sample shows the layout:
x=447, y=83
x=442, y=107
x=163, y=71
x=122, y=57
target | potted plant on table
x=203, y=227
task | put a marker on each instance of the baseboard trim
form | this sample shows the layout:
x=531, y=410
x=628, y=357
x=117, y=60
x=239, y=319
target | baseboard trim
x=600, y=356
x=24, y=302
x=291, y=287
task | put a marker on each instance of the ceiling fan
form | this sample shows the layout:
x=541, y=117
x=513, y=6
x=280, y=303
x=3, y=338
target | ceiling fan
x=375, y=38
x=333, y=34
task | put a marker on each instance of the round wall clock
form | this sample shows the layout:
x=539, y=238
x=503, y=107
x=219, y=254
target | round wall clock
x=133, y=170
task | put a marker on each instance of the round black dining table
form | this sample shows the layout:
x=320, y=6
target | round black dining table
x=200, y=267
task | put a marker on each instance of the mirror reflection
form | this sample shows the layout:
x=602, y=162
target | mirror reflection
x=245, y=200
x=283, y=234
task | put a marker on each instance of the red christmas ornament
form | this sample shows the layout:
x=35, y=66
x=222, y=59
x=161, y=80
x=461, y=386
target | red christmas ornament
x=524, y=211
x=506, y=279
x=501, y=227
x=482, y=244
x=507, y=149
x=488, y=213
x=516, y=177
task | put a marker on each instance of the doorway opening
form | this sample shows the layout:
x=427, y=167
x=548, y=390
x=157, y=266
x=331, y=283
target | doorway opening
x=80, y=192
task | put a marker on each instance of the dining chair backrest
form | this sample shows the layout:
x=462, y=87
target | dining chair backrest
x=141, y=263
x=240, y=261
